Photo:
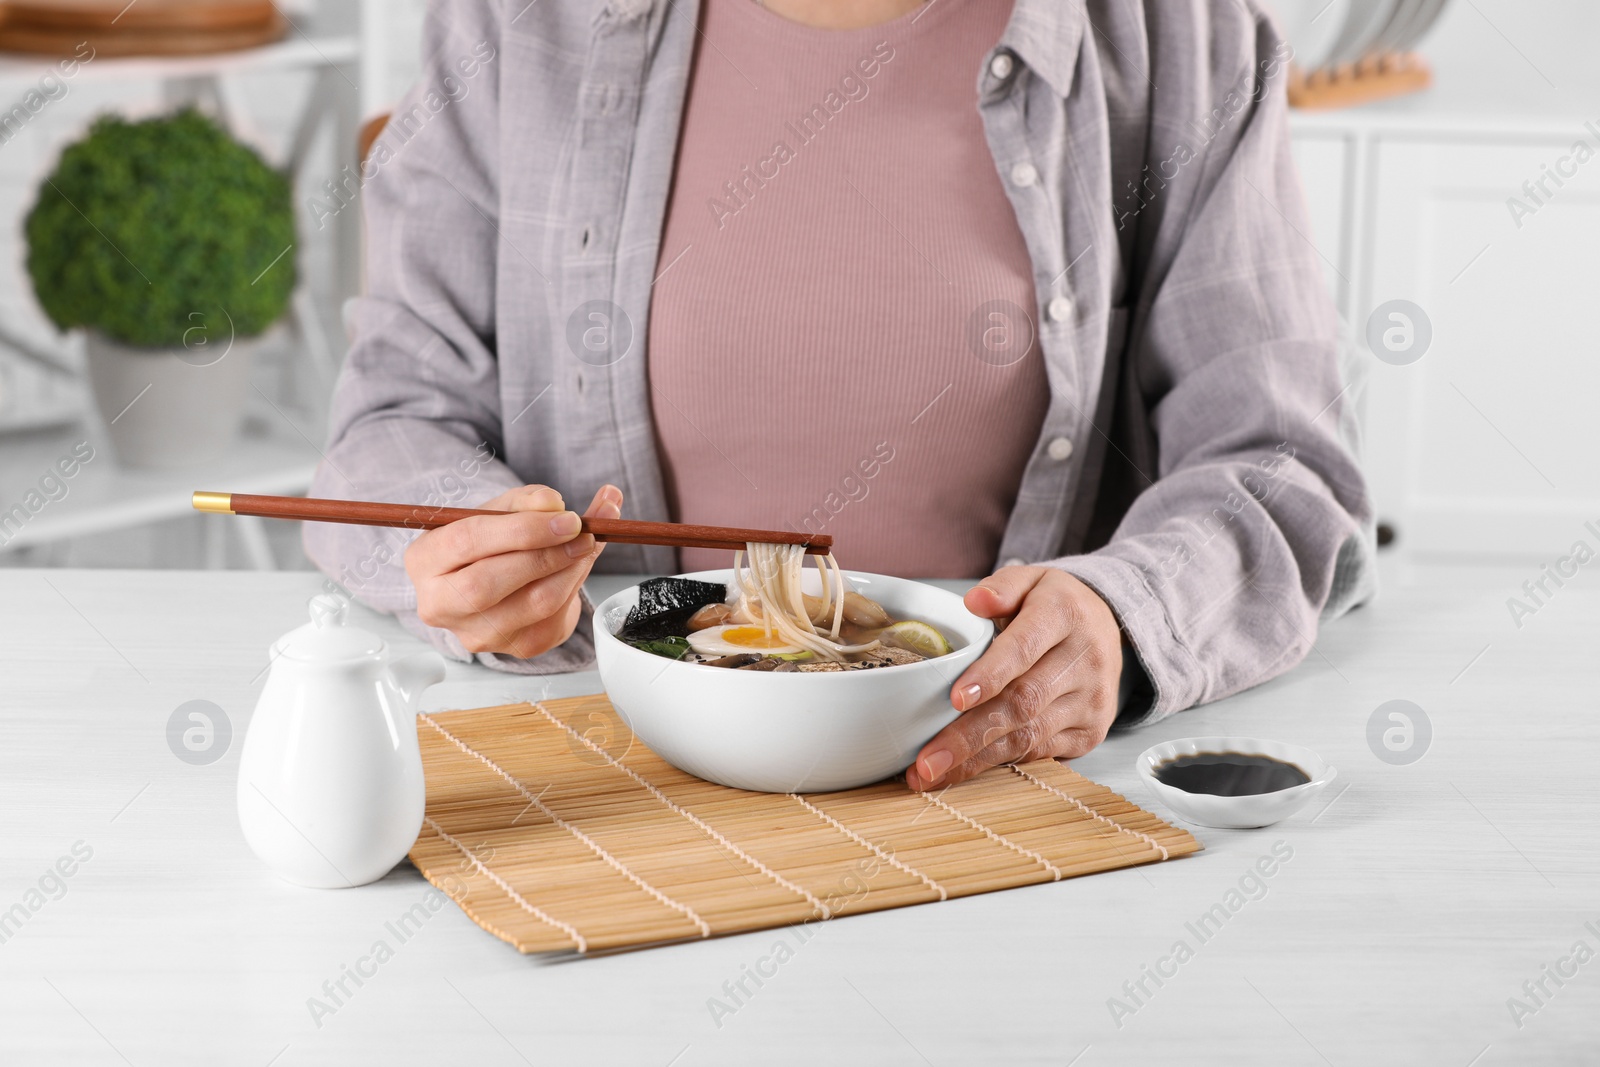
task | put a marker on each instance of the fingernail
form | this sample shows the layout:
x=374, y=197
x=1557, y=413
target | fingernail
x=579, y=546
x=934, y=764
x=566, y=524
x=969, y=696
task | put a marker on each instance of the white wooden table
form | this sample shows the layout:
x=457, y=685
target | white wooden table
x=1417, y=901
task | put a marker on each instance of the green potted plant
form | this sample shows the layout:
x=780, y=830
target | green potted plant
x=166, y=241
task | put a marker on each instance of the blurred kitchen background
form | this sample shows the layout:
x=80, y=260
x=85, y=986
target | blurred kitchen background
x=1457, y=215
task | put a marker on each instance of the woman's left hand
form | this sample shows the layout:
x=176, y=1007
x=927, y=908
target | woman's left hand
x=1046, y=687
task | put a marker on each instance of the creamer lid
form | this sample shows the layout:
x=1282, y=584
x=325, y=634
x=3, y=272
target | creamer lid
x=328, y=637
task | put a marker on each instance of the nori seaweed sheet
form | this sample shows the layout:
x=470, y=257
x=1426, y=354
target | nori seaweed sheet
x=665, y=605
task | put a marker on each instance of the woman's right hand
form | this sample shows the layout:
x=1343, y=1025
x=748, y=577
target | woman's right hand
x=509, y=584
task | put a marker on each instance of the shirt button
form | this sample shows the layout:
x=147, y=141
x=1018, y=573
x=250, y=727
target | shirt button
x=1060, y=309
x=1000, y=66
x=1015, y=561
x=1059, y=448
x=1024, y=174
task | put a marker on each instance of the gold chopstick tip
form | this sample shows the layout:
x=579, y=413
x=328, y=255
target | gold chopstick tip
x=216, y=503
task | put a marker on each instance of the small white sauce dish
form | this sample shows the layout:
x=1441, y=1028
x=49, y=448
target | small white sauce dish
x=791, y=732
x=1240, y=812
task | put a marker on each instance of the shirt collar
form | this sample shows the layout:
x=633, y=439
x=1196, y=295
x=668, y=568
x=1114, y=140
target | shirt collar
x=1047, y=34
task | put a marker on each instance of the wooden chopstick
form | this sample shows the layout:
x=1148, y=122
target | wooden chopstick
x=418, y=517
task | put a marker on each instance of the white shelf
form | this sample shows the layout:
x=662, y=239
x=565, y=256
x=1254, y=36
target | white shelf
x=104, y=497
x=294, y=52
x=325, y=40
x=1436, y=113
x=1503, y=69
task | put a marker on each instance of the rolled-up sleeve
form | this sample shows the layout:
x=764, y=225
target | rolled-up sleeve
x=1257, y=522
x=416, y=416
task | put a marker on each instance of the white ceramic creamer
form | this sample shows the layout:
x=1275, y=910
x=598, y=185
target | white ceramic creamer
x=331, y=790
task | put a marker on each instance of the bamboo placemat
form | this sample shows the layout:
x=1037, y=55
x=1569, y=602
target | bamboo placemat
x=554, y=830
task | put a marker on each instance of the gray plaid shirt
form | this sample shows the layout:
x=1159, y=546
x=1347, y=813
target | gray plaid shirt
x=1197, y=463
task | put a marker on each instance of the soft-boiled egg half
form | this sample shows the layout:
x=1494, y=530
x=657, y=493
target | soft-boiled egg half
x=740, y=637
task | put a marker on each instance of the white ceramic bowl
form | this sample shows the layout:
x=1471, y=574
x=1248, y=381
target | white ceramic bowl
x=1260, y=809
x=795, y=732
x=1312, y=28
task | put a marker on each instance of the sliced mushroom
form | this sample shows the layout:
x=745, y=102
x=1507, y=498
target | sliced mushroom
x=738, y=659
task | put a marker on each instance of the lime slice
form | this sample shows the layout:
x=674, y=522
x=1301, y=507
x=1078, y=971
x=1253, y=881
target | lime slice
x=919, y=637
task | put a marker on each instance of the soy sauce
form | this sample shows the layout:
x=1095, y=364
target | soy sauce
x=1230, y=774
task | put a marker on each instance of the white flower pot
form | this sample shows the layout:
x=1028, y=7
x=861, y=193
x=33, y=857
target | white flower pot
x=169, y=408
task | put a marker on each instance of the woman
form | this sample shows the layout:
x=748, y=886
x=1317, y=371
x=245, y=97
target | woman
x=972, y=287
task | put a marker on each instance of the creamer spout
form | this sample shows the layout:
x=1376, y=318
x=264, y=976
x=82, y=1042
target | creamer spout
x=414, y=673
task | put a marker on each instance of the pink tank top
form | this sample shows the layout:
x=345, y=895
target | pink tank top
x=841, y=338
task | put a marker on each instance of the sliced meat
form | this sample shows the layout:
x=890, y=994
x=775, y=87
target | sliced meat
x=711, y=615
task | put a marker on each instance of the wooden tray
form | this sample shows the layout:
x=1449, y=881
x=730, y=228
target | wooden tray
x=1374, y=78
x=554, y=830
x=20, y=33
x=143, y=15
